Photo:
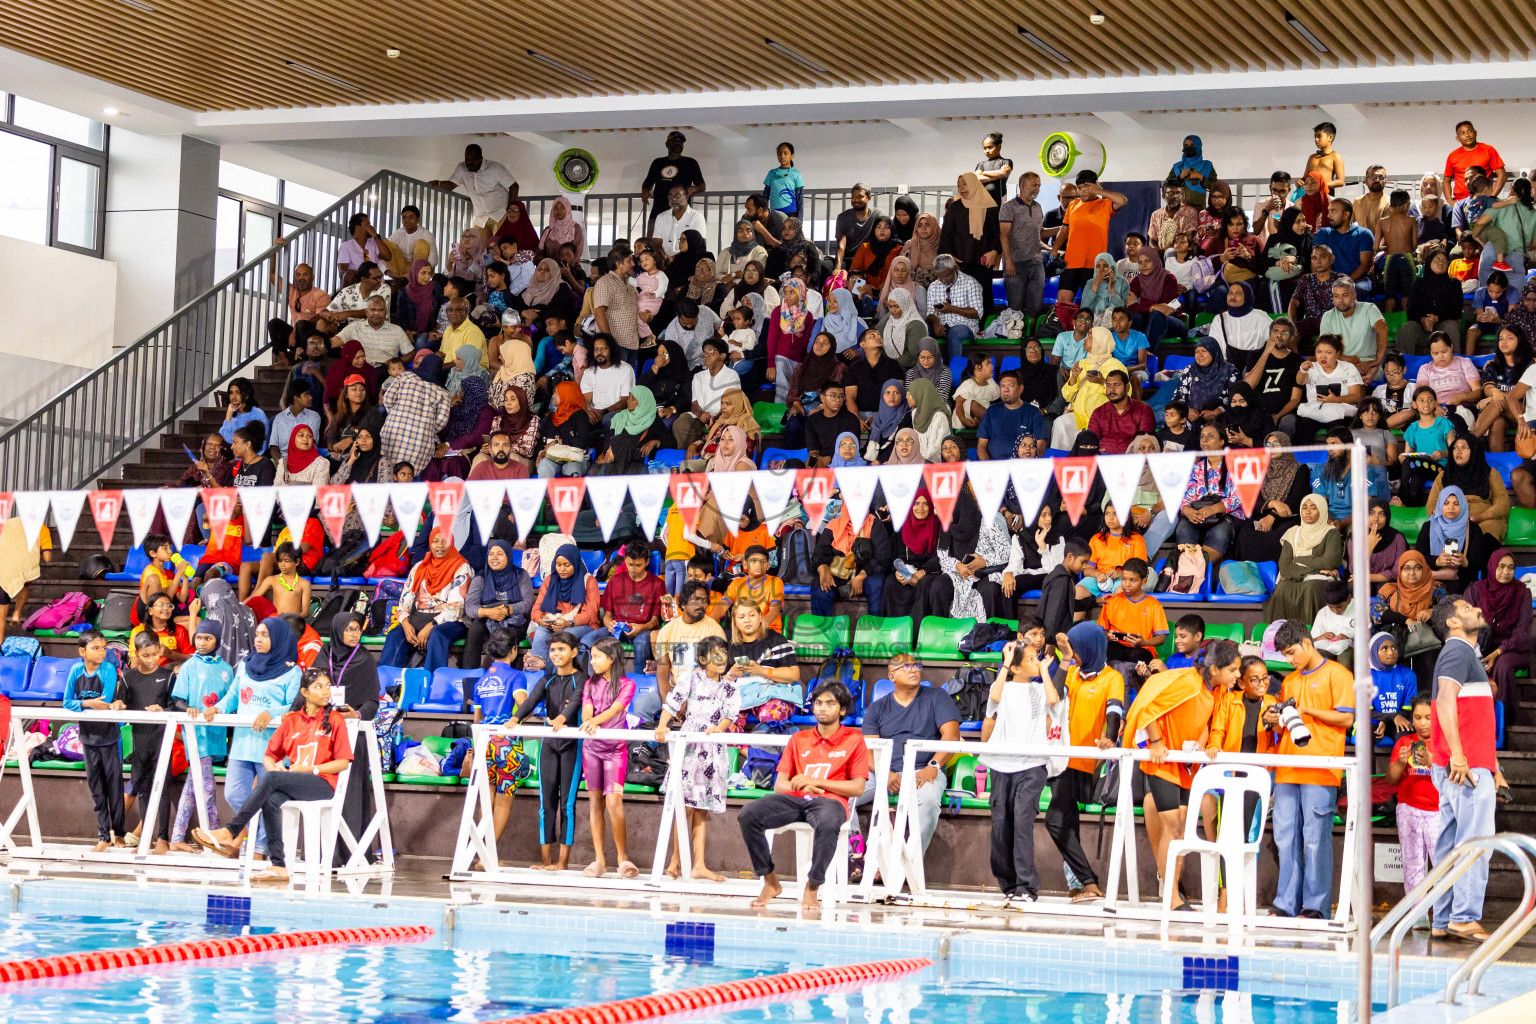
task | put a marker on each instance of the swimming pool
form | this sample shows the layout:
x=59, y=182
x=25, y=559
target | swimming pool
x=494, y=961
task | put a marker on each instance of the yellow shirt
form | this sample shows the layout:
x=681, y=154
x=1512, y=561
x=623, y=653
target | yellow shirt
x=678, y=550
x=1329, y=687
x=466, y=333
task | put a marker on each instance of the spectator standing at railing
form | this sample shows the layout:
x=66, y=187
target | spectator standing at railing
x=147, y=687
x=666, y=173
x=559, y=690
x=203, y=679
x=487, y=183
x=1019, y=226
x=970, y=234
x=854, y=224
x=93, y=685
x=705, y=701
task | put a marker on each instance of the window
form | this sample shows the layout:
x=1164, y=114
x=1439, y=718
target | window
x=252, y=205
x=234, y=178
x=306, y=200
x=53, y=175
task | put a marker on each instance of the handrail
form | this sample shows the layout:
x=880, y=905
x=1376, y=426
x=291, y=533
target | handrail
x=1510, y=932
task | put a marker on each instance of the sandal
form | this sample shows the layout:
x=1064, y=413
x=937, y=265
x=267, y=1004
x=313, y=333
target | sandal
x=1473, y=934
x=207, y=842
x=593, y=871
x=1090, y=894
x=627, y=869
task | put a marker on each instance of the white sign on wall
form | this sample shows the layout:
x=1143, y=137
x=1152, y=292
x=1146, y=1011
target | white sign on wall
x=1389, y=862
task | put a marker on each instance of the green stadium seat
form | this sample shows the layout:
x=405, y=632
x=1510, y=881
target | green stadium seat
x=1201, y=319
x=769, y=416
x=1224, y=631
x=876, y=636
x=996, y=657
x=1522, y=528
x=1165, y=649
x=940, y=638
x=1257, y=636
x=1409, y=520
x=820, y=635
x=1394, y=322
x=962, y=773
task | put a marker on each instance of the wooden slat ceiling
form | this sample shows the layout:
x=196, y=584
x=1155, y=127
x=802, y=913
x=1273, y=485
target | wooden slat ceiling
x=207, y=55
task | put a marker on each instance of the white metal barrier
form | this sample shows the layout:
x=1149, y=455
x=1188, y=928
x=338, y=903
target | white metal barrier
x=21, y=746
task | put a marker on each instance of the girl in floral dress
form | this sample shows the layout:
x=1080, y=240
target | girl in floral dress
x=707, y=700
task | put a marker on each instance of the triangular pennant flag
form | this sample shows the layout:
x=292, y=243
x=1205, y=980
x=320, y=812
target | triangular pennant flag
x=649, y=492
x=815, y=491
x=257, y=504
x=485, y=501
x=1074, y=477
x=1120, y=474
x=296, y=500
x=565, y=494
x=607, y=495
x=333, y=500
x=407, y=501
x=1170, y=471
x=371, y=501
x=773, y=486
x=7, y=502
x=858, y=485
x=731, y=496
x=105, y=508
x=142, y=506
x=179, y=503
x=687, y=497
x=219, y=504
x=1031, y=478
x=527, y=498
x=445, y=497
x=899, y=484
x=32, y=509
x=67, y=506
x=1247, y=467
x=989, y=481
x=943, y=481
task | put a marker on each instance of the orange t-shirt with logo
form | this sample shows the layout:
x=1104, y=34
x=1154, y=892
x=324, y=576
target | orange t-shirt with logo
x=1088, y=702
x=1144, y=617
x=1329, y=687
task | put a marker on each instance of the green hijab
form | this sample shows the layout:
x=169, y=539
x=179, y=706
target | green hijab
x=926, y=402
x=638, y=420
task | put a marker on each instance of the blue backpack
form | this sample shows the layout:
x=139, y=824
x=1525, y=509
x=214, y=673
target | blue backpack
x=21, y=647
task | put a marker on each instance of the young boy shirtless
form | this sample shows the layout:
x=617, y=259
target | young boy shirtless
x=286, y=589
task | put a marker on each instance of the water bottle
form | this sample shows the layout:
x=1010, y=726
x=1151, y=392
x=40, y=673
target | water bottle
x=981, y=780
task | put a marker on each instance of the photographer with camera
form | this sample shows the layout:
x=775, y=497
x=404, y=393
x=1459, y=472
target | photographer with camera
x=1316, y=709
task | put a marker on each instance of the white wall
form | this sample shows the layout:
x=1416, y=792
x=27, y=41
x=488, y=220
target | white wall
x=45, y=344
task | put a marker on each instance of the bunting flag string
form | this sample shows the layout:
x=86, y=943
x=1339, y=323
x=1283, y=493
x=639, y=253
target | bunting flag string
x=105, y=508
x=67, y=506
x=408, y=500
x=371, y=501
x=649, y=493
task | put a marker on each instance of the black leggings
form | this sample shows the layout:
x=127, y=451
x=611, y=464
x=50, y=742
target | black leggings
x=559, y=772
x=141, y=768
x=267, y=799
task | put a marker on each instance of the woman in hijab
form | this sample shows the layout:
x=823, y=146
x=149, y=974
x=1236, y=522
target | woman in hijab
x=303, y=463
x=360, y=462
x=890, y=416
x=899, y=277
x=1521, y=315
x=503, y=585
x=417, y=303
x=568, y=600
x=1248, y=424
x=744, y=249
x=735, y=411
x=906, y=449
x=513, y=363
x=703, y=286
x=692, y=248
x=1241, y=330
x=1482, y=488
x=1455, y=547
x=845, y=452
x=752, y=283
x=516, y=225
x=266, y=681
x=1506, y=604
x=568, y=425
x=1311, y=548
x=970, y=231
x=959, y=590
x=562, y=229
x=466, y=364
x=1283, y=277
x=820, y=369
x=353, y=669
x=928, y=418
x=1106, y=290
x=928, y=367
x=923, y=248
x=473, y=399
x=1218, y=201
x=1279, y=505
x=914, y=555
x=1151, y=291
x=669, y=381
x=237, y=623
x=872, y=259
x=636, y=435
x=904, y=328
x=792, y=245
x=1084, y=390
x=464, y=258
x=1384, y=542
x=547, y=293
x=215, y=467
x=1040, y=380
x=1404, y=605
x=841, y=320
x=1206, y=384
x=903, y=217
x=789, y=335
x=1195, y=173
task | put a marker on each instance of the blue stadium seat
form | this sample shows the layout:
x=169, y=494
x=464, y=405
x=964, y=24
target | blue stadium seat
x=1009, y=363
x=415, y=682
x=1268, y=572
x=1412, y=365
x=13, y=674
x=973, y=455
x=643, y=683
x=1052, y=289
x=445, y=691
x=1202, y=594
x=193, y=553
x=48, y=678
x=1151, y=365
x=999, y=292
x=957, y=367
x=133, y=566
x=593, y=560
x=672, y=458
x=1484, y=360
x=779, y=454
x=646, y=366
x=1505, y=463
x=1174, y=363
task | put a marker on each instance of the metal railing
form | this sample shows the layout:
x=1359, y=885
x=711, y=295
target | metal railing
x=145, y=387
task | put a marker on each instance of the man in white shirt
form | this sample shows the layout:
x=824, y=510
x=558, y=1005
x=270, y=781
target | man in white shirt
x=679, y=218
x=709, y=385
x=489, y=185
x=607, y=382
x=404, y=240
x=381, y=340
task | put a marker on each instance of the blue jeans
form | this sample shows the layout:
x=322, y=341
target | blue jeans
x=1217, y=536
x=1466, y=812
x=1154, y=324
x=642, y=644
x=240, y=777
x=549, y=468
x=1157, y=534
x=397, y=651
x=956, y=335
x=874, y=587
x=1303, y=823
x=586, y=636
x=676, y=571
x=1516, y=272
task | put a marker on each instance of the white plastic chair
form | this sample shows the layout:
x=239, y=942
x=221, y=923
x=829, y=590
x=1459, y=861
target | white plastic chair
x=836, y=885
x=320, y=821
x=1241, y=857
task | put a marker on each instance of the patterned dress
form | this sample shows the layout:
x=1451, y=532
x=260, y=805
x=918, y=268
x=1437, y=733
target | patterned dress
x=704, y=769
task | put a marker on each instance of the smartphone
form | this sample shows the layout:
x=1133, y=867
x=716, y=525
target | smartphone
x=743, y=660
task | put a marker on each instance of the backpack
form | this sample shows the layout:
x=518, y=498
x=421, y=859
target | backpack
x=1241, y=578
x=381, y=611
x=1188, y=577
x=647, y=764
x=795, y=558
x=970, y=688
x=349, y=558
x=62, y=612
x=67, y=746
x=348, y=599
x=387, y=728
x=843, y=666
x=117, y=612
x=387, y=559
x=986, y=636
x=21, y=647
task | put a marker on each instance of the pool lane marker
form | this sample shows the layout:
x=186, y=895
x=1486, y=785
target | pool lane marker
x=74, y=964
x=706, y=997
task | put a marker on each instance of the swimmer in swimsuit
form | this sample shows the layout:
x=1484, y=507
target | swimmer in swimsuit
x=604, y=702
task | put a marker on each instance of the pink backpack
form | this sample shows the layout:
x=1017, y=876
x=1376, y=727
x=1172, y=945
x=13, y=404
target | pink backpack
x=61, y=613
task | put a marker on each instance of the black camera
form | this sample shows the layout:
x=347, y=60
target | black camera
x=1290, y=720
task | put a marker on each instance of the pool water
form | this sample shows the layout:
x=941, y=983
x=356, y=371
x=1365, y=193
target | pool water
x=484, y=976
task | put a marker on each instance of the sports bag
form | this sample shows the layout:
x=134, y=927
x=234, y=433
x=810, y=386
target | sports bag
x=61, y=613
x=117, y=611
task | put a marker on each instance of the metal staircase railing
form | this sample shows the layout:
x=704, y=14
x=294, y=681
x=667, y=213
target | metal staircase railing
x=144, y=388
x=1410, y=910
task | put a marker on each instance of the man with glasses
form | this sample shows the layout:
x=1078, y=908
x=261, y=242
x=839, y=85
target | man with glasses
x=913, y=711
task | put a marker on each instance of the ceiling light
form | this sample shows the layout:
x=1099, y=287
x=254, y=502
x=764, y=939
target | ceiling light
x=561, y=66
x=1043, y=46
x=139, y=5
x=798, y=58
x=1305, y=33
x=331, y=79
x=1096, y=18
x=110, y=111
x=392, y=52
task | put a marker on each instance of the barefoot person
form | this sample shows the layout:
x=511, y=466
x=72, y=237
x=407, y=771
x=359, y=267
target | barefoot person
x=559, y=690
x=712, y=696
x=312, y=741
x=821, y=769
x=604, y=702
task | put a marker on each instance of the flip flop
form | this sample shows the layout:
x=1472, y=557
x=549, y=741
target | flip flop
x=207, y=842
x=628, y=870
x=592, y=871
x=1468, y=936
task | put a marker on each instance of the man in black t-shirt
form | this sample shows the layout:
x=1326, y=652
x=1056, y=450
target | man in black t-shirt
x=863, y=378
x=668, y=172
x=1274, y=375
x=854, y=224
x=912, y=711
x=823, y=426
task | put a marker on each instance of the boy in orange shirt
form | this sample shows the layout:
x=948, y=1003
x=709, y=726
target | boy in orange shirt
x=1305, y=798
x=1095, y=707
x=758, y=588
x=1133, y=619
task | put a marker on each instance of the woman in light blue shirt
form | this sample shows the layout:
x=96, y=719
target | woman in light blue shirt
x=241, y=410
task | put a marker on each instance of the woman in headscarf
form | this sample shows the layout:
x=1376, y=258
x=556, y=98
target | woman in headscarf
x=562, y=229
x=512, y=359
x=792, y=245
x=473, y=398
x=360, y=462
x=416, y=305
x=547, y=294
x=568, y=600
x=906, y=449
x=1218, y=200
x=1311, y=548
x=904, y=328
x=503, y=585
x=464, y=258
x=1106, y=290
x=744, y=249
x=751, y=283
x=970, y=232
x=891, y=415
x=1147, y=505
x=703, y=287
x=923, y=248
x=1279, y=505
x=1151, y=291
x=353, y=669
x=1241, y=330
x=1193, y=171
x=928, y=417
x=466, y=364
x=237, y=623
x=873, y=258
x=516, y=225
x=303, y=464
x=1482, y=488
x=636, y=435
x=899, y=276
x=1206, y=384
x=1521, y=315
x=820, y=369
x=566, y=430
x=431, y=603
x=1287, y=255
x=1248, y=424
x=513, y=417
x=731, y=453
x=669, y=381
x=789, y=335
x=1084, y=390
x=841, y=320
x=914, y=555
x=691, y=249
x=928, y=367
x=1506, y=605
x=1314, y=200
x=904, y=213
x=845, y=451
x=1455, y=547
x=1403, y=606
x=416, y=408
x=735, y=411
x=1385, y=543
x=1039, y=379
x=353, y=362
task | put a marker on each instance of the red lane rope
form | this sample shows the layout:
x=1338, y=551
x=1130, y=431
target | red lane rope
x=71, y=964
x=709, y=996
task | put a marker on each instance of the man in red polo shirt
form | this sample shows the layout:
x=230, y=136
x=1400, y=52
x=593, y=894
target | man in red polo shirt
x=820, y=770
x=632, y=602
x=1471, y=153
x=1120, y=419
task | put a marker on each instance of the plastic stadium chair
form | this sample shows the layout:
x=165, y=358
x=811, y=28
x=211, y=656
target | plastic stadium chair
x=1151, y=365
x=1224, y=631
x=940, y=638
x=48, y=678
x=593, y=560
x=1505, y=463
x=1395, y=322
x=643, y=683
x=1522, y=528
x=1311, y=458
x=13, y=674
x=773, y=455
x=769, y=416
x=134, y=565
x=1269, y=573
x=1201, y=319
x=1412, y=365
x=672, y=458
x=1172, y=363
x=1482, y=360
x=1009, y=363
x=996, y=657
x=410, y=682
x=817, y=636
x=1202, y=593
x=957, y=368
x=445, y=691
x=1408, y=520
x=875, y=636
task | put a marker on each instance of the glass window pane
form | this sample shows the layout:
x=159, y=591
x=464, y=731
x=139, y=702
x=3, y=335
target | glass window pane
x=247, y=182
x=226, y=238
x=60, y=124
x=306, y=200
x=78, y=193
x=24, y=168
x=258, y=235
